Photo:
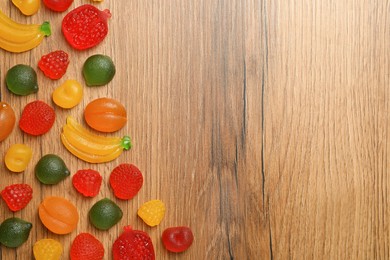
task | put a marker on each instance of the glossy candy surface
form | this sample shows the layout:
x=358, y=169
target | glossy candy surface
x=17, y=157
x=105, y=115
x=104, y=214
x=58, y=5
x=17, y=196
x=133, y=244
x=69, y=94
x=126, y=180
x=51, y=169
x=37, y=118
x=17, y=37
x=47, y=249
x=58, y=214
x=7, y=120
x=177, y=239
x=14, y=232
x=85, y=26
x=22, y=80
x=86, y=247
x=91, y=147
x=98, y=70
x=27, y=7
x=87, y=182
x=54, y=64
x=152, y=212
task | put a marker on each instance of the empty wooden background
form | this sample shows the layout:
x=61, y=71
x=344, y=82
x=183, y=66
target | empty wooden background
x=263, y=125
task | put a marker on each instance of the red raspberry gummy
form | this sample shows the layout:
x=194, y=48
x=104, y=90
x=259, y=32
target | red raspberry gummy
x=87, y=182
x=54, y=64
x=17, y=196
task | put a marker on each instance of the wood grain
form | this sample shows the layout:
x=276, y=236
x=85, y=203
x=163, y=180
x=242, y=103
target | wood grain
x=262, y=124
x=187, y=72
x=326, y=105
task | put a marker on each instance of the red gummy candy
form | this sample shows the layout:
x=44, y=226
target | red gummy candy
x=133, y=244
x=85, y=26
x=17, y=196
x=87, y=182
x=86, y=246
x=54, y=64
x=37, y=118
x=177, y=239
x=126, y=180
x=58, y=5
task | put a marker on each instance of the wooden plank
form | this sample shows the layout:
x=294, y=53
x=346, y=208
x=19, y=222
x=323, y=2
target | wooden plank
x=326, y=106
x=189, y=74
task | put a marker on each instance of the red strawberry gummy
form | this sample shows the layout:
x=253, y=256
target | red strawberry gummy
x=37, y=118
x=85, y=26
x=54, y=64
x=126, y=180
x=134, y=245
x=87, y=182
x=17, y=196
x=86, y=246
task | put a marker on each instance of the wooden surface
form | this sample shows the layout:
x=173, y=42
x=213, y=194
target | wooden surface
x=263, y=125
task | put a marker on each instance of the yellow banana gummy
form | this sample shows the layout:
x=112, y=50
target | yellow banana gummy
x=90, y=147
x=17, y=37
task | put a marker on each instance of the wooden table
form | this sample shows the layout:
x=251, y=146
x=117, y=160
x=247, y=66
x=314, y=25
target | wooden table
x=262, y=125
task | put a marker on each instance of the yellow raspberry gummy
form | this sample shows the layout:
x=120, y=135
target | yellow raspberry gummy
x=152, y=212
x=47, y=249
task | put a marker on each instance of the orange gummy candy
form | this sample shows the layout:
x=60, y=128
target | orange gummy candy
x=105, y=115
x=58, y=215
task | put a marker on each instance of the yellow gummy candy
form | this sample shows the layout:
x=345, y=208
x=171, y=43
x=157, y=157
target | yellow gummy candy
x=152, y=212
x=27, y=7
x=17, y=157
x=47, y=249
x=69, y=94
